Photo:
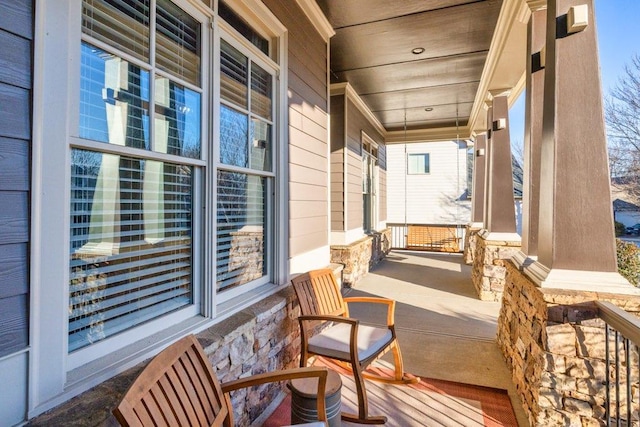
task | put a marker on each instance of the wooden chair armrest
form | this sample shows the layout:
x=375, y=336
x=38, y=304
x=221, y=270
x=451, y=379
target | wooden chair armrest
x=328, y=318
x=284, y=375
x=391, y=305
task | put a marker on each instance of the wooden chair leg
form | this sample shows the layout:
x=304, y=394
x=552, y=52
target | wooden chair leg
x=399, y=377
x=397, y=360
x=363, y=403
x=304, y=357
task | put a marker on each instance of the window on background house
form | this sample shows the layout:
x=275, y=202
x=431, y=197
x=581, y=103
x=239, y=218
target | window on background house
x=134, y=168
x=245, y=171
x=417, y=163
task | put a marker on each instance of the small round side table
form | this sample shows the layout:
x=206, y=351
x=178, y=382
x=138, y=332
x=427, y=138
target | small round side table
x=304, y=408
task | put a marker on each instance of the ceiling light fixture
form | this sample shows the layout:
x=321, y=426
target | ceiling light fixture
x=417, y=50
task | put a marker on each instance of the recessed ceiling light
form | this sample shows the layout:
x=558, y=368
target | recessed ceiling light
x=428, y=109
x=417, y=50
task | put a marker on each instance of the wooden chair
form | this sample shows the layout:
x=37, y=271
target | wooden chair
x=345, y=339
x=179, y=388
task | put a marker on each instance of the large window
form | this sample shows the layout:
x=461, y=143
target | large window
x=245, y=177
x=132, y=198
x=155, y=177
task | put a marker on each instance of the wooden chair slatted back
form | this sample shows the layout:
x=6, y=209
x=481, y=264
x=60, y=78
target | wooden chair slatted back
x=178, y=387
x=319, y=294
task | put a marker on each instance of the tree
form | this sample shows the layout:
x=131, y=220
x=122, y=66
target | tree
x=622, y=112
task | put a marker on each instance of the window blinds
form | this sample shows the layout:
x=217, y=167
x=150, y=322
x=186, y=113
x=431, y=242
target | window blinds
x=177, y=42
x=240, y=229
x=123, y=24
x=234, y=75
x=131, y=250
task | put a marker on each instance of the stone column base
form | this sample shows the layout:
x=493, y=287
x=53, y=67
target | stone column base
x=470, y=237
x=488, y=272
x=553, y=340
x=361, y=256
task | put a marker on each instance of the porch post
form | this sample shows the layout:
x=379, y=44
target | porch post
x=498, y=241
x=477, y=195
x=487, y=163
x=536, y=37
x=500, y=217
x=477, y=198
x=576, y=246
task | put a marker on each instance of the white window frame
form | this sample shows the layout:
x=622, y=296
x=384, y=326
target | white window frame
x=131, y=335
x=419, y=154
x=276, y=213
x=255, y=56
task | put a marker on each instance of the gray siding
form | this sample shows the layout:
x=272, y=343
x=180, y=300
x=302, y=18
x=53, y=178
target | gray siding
x=337, y=163
x=16, y=36
x=308, y=133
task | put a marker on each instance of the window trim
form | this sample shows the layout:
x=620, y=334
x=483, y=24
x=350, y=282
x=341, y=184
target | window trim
x=261, y=19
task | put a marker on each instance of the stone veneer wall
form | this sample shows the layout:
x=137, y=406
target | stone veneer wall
x=489, y=271
x=261, y=338
x=470, y=242
x=554, y=343
x=361, y=256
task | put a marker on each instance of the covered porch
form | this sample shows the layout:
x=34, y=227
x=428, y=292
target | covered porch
x=546, y=350
x=445, y=331
x=518, y=312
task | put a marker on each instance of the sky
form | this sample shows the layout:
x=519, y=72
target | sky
x=618, y=41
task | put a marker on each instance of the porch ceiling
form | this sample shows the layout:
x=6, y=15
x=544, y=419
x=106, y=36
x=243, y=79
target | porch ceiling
x=372, y=51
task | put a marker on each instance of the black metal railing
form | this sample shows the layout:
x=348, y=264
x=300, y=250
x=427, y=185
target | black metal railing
x=622, y=339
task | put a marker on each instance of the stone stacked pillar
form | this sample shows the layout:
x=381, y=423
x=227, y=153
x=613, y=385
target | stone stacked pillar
x=477, y=198
x=498, y=241
x=554, y=342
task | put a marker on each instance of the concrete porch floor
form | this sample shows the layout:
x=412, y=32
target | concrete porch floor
x=445, y=331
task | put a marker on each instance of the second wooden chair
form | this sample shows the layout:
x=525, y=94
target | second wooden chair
x=343, y=338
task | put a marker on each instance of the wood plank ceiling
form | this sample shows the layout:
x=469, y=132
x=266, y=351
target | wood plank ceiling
x=372, y=50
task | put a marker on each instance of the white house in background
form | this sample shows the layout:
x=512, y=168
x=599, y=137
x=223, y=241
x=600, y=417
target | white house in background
x=427, y=183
